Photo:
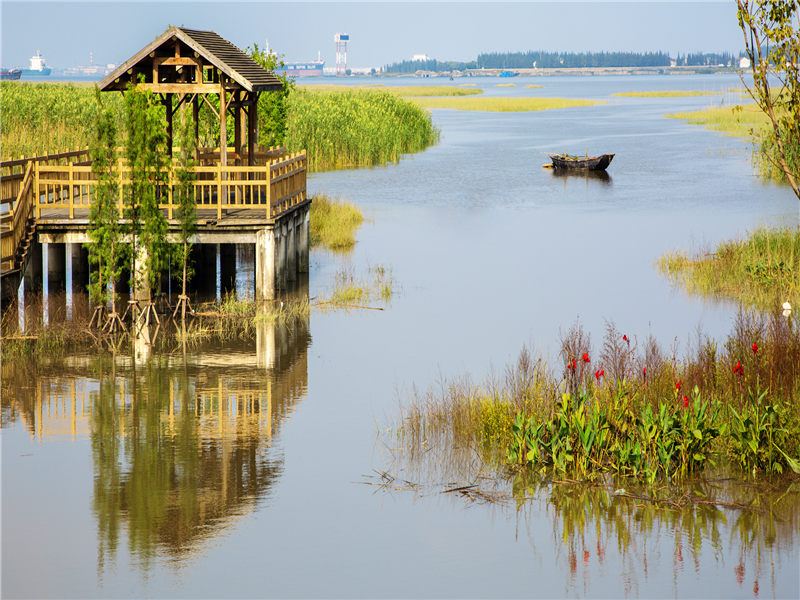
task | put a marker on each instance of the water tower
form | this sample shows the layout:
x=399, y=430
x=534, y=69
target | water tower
x=341, y=40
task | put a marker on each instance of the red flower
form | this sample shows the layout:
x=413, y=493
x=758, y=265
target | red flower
x=678, y=385
x=685, y=401
x=571, y=364
x=754, y=347
x=738, y=369
x=585, y=357
x=626, y=340
x=599, y=373
x=644, y=372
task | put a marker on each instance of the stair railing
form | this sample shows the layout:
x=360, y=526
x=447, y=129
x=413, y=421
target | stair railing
x=21, y=212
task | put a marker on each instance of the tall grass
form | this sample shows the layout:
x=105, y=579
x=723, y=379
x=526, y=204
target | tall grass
x=334, y=223
x=504, y=104
x=356, y=128
x=667, y=93
x=351, y=128
x=762, y=270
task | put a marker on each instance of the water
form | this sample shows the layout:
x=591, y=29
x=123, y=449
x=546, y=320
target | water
x=238, y=470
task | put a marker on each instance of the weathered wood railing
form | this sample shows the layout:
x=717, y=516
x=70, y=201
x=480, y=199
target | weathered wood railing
x=65, y=191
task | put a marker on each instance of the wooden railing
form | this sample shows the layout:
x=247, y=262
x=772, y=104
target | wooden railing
x=46, y=189
x=274, y=188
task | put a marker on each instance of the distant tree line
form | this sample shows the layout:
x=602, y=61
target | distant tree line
x=550, y=60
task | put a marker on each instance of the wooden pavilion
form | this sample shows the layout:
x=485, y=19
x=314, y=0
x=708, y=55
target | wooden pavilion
x=190, y=65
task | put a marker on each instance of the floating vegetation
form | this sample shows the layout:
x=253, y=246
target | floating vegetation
x=406, y=91
x=627, y=411
x=761, y=271
x=334, y=223
x=533, y=86
x=668, y=93
x=349, y=291
x=506, y=85
x=505, y=104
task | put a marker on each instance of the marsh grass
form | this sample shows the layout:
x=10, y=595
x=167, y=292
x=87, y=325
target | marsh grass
x=352, y=291
x=406, y=91
x=601, y=423
x=505, y=104
x=334, y=223
x=740, y=121
x=762, y=270
x=506, y=85
x=667, y=93
x=533, y=86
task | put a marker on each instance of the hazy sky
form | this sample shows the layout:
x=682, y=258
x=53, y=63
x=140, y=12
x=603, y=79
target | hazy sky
x=66, y=32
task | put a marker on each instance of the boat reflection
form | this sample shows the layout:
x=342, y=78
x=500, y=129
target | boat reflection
x=182, y=445
x=601, y=176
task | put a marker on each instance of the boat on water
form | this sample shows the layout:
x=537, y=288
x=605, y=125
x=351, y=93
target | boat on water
x=581, y=163
x=10, y=74
x=37, y=67
x=508, y=74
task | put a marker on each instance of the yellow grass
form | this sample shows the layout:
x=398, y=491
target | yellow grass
x=668, y=94
x=506, y=85
x=334, y=223
x=739, y=121
x=505, y=104
x=406, y=91
x=533, y=86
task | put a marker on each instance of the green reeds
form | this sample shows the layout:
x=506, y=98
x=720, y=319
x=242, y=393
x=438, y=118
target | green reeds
x=762, y=270
x=505, y=104
x=350, y=291
x=356, y=128
x=668, y=93
x=334, y=223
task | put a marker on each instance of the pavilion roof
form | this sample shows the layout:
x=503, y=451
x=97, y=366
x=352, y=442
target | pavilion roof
x=212, y=48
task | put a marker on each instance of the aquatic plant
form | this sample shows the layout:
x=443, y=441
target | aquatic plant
x=505, y=103
x=334, y=223
x=761, y=270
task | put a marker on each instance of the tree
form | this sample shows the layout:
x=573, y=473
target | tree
x=771, y=30
x=106, y=246
x=183, y=196
x=147, y=157
x=273, y=108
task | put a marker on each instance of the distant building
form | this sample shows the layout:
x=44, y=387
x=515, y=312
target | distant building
x=420, y=57
x=744, y=63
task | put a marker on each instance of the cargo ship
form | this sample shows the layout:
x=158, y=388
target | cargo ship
x=37, y=67
x=313, y=68
x=10, y=74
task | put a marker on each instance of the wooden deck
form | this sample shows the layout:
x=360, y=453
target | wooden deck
x=52, y=195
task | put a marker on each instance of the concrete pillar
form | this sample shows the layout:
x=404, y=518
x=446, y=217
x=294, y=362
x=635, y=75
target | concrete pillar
x=291, y=250
x=79, y=268
x=280, y=255
x=303, y=240
x=142, y=291
x=227, y=267
x=265, y=264
x=56, y=268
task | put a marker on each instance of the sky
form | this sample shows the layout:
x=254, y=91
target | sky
x=380, y=32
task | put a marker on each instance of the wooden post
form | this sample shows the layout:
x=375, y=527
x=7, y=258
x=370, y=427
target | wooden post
x=237, y=124
x=252, y=126
x=168, y=106
x=196, y=116
x=71, y=205
x=223, y=144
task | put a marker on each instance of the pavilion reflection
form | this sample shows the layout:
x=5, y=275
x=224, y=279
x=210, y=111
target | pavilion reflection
x=181, y=445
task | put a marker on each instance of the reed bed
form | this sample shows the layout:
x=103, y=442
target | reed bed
x=342, y=129
x=533, y=86
x=762, y=270
x=406, y=91
x=505, y=104
x=334, y=223
x=506, y=85
x=356, y=128
x=626, y=409
x=668, y=93
x=350, y=291
x=739, y=121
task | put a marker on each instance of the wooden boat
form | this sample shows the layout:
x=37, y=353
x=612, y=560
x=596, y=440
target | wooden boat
x=584, y=163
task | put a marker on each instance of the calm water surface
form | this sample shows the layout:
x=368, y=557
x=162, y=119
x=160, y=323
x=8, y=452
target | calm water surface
x=237, y=470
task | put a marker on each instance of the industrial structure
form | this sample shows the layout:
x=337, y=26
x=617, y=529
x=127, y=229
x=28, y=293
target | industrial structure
x=341, y=40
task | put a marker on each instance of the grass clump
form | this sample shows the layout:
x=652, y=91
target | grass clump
x=506, y=85
x=350, y=291
x=667, y=93
x=505, y=104
x=534, y=86
x=626, y=411
x=334, y=223
x=762, y=270
x=356, y=128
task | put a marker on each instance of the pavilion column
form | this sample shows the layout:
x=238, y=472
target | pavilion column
x=237, y=124
x=252, y=126
x=223, y=124
x=196, y=116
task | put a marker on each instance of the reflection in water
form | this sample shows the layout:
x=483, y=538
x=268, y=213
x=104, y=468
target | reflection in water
x=180, y=445
x=601, y=176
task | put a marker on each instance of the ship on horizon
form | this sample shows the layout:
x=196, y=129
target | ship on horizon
x=312, y=68
x=37, y=67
